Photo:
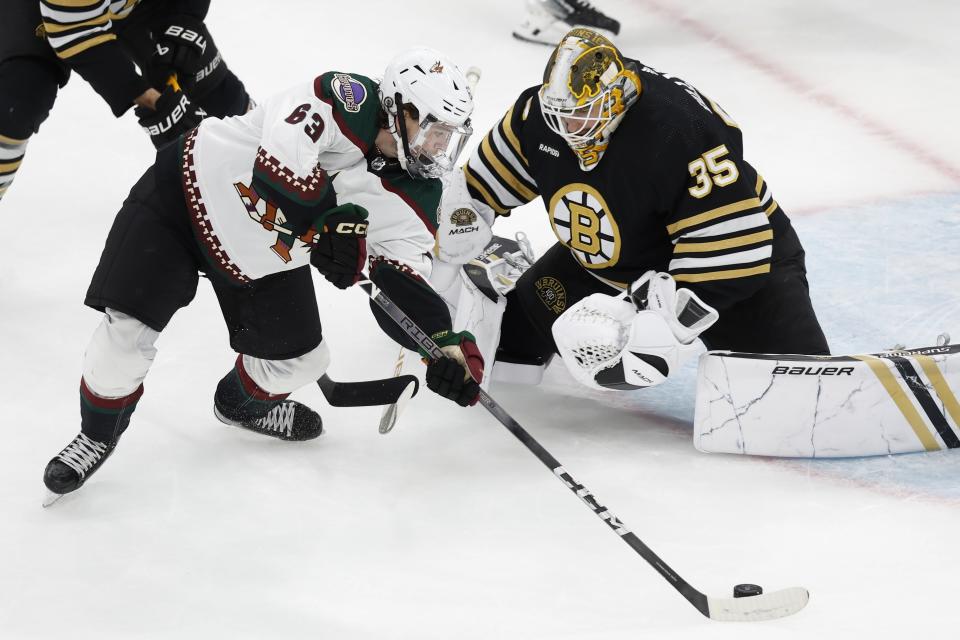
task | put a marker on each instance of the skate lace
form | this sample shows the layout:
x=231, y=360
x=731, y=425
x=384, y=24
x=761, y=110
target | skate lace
x=279, y=419
x=81, y=454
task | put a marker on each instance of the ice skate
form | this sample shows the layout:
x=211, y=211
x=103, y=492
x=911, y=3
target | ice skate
x=548, y=20
x=70, y=468
x=283, y=419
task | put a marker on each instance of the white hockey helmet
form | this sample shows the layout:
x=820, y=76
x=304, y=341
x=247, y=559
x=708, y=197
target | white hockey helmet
x=438, y=91
x=587, y=89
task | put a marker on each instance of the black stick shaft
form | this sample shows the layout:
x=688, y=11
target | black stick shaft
x=695, y=597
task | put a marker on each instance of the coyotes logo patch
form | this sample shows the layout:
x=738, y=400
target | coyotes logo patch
x=271, y=218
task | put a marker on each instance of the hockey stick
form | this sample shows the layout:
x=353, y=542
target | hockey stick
x=765, y=606
x=390, y=414
x=367, y=393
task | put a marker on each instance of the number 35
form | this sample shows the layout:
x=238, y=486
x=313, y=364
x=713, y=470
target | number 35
x=711, y=169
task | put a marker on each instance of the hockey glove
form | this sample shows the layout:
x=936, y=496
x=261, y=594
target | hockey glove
x=608, y=342
x=340, y=252
x=456, y=376
x=173, y=115
x=185, y=48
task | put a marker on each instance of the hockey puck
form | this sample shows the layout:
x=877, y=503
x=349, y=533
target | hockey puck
x=747, y=590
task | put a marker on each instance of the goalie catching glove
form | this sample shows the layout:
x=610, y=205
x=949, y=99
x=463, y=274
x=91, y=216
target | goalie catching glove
x=340, y=252
x=456, y=376
x=612, y=342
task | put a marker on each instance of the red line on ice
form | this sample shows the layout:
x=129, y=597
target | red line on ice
x=809, y=91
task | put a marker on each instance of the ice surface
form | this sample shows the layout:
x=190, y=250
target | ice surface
x=447, y=527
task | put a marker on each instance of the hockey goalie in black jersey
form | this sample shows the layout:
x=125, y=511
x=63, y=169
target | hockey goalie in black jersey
x=665, y=232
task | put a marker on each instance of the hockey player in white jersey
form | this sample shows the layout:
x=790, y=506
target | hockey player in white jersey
x=339, y=173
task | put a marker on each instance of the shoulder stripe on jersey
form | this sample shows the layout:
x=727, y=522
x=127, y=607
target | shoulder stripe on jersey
x=345, y=129
x=773, y=207
x=705, y=245
x=11, y=142
x=474, y=184
x=52, y=27
x=751, y=256
x=483, y=169
x=506, y=152
x=728, y=227
x=727, y=274
x=72, y=51
x=512, y=137
x=508, y=177
x=719, y=212
x=10, y=167
x=75, y=4
x=759, y=184
x=427, y=222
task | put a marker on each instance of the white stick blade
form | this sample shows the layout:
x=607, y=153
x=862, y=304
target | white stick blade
x=390, y=413
x=766, y=606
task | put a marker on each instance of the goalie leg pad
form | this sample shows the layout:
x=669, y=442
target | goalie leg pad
x=828, y=406
x=481, y=316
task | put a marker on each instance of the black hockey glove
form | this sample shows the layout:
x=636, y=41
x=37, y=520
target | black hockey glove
x=340, y=252
x=456, y=376
x=184, y=48
x=174, y=115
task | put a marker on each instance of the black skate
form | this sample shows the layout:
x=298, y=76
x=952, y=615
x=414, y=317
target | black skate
x=243, y=404
x=549, y=20
x=288, y=420
x=70, y=468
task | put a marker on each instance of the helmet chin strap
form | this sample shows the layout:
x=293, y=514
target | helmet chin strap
x=400, y=123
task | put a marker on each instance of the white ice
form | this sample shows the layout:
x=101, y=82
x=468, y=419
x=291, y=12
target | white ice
x=447, y=527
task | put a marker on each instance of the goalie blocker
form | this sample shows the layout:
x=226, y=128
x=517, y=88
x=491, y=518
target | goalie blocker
x=828, y=406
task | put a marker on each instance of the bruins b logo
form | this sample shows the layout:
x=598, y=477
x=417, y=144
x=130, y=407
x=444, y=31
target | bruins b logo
x=582, y=221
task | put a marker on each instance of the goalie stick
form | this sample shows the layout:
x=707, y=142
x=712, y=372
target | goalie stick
x=766, y=606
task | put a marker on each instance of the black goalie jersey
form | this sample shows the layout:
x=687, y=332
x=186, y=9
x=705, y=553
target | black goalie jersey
x=672, y=192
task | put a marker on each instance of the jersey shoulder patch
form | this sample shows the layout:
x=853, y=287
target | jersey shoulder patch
x=355, y=103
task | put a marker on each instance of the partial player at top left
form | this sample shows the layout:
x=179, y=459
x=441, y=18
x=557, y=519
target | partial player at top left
x=157, y=57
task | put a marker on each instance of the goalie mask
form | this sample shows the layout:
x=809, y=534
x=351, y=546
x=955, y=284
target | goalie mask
x=586, y=91
x=426, y=82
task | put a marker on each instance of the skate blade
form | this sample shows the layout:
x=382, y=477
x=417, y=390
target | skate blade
x=51, y=498
x=390, y=413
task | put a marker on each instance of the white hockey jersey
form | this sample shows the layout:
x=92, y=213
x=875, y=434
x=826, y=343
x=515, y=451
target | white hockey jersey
x=257, y=185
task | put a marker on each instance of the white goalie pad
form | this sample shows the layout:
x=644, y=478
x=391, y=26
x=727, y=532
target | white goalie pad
x=828, y=406
x=477, y=302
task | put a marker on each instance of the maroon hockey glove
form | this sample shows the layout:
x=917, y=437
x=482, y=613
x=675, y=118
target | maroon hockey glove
x=340, y=252
x=458, y=375
x=184, y=47
x=174, y=115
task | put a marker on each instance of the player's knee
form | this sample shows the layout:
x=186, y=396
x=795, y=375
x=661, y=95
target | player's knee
x=119, y=355
x=28, y=89
x=285, y=376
